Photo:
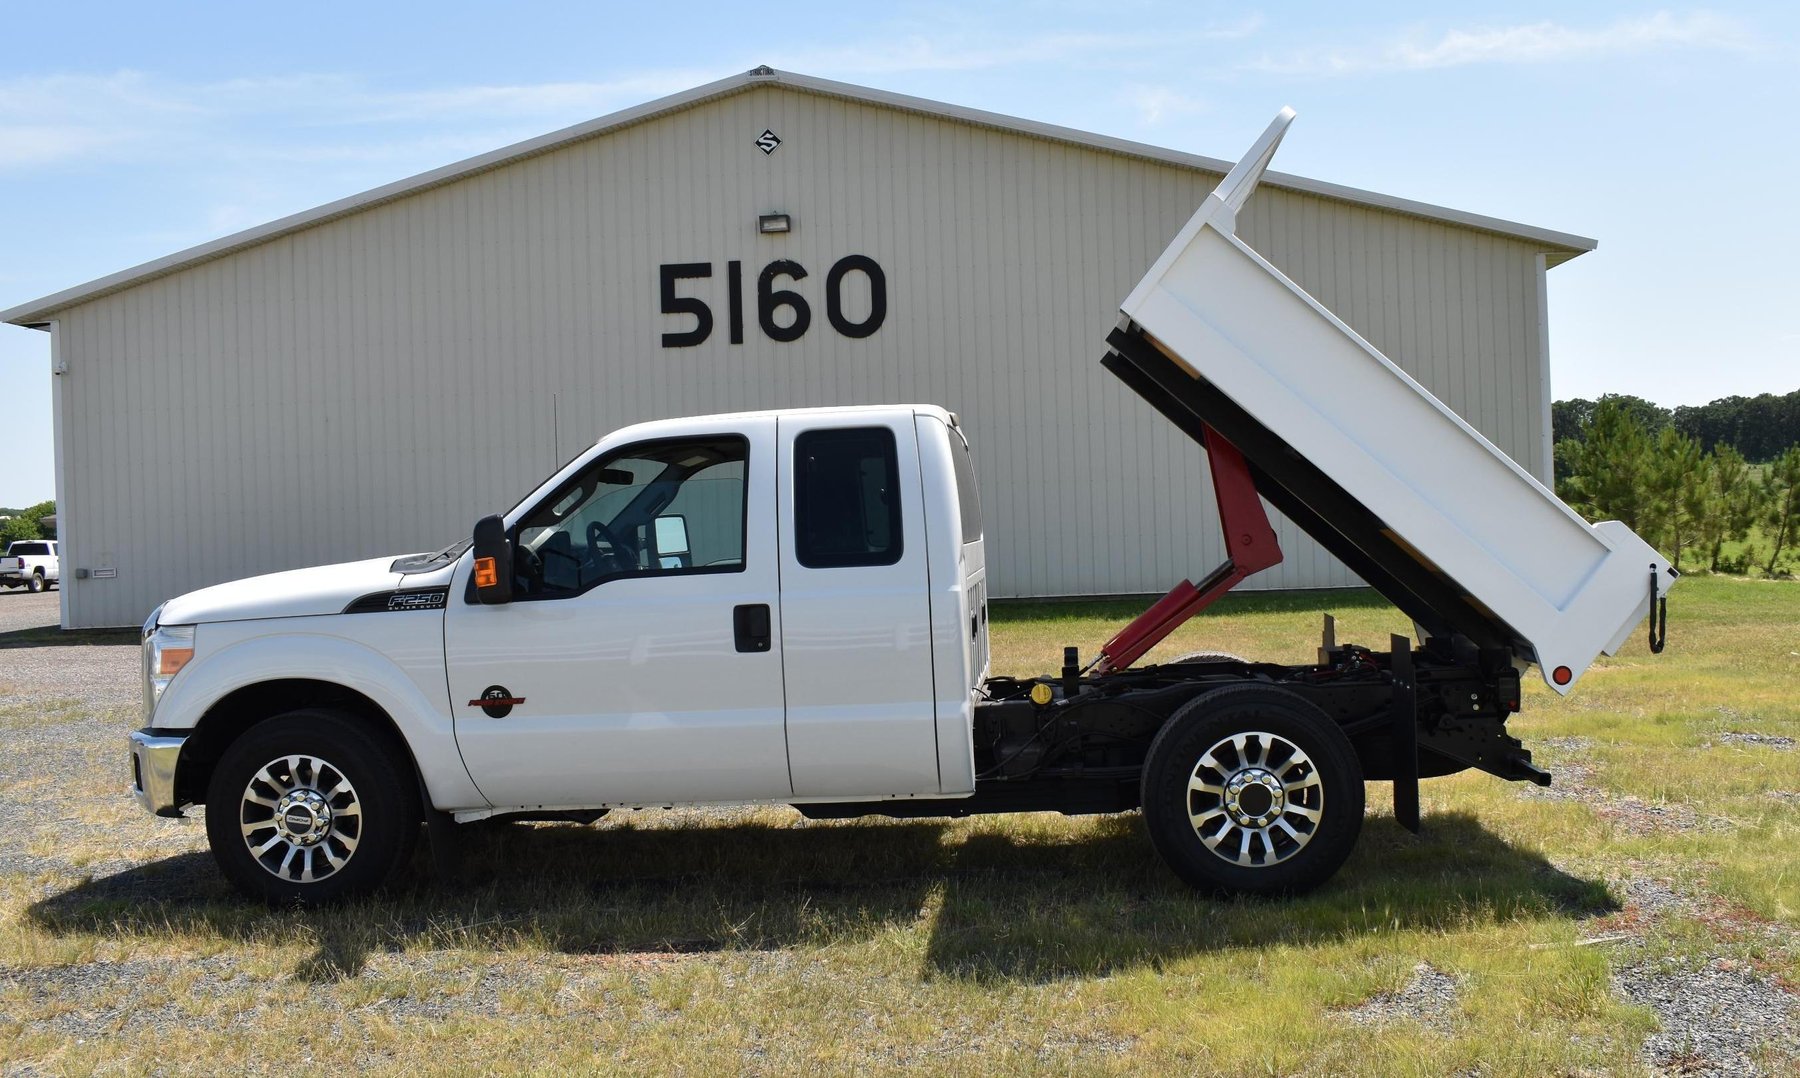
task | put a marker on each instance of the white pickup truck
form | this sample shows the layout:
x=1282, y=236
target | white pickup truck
x=32, y=564
x=790, y=607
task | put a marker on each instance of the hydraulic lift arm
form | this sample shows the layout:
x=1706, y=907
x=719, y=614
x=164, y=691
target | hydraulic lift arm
x=1250, y=546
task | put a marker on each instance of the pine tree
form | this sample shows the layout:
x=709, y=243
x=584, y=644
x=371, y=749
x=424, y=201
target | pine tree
x=1781, y=486
x=1610, y=467
x=1675, y=492
x=1733, y=503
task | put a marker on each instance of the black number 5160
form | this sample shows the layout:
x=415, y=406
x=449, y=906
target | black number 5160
x=770, y=299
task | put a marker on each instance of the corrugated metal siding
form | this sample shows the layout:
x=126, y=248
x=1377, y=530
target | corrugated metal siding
x=374, y=384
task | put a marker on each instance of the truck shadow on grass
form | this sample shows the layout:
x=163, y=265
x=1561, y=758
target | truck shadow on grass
x=998, y=901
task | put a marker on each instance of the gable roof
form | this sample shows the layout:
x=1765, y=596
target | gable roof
x=1558, y=246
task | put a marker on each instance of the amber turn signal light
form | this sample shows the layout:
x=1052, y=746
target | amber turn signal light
x=169, y=661
x=486, y=576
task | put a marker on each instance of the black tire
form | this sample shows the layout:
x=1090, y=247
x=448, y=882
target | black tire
x=36, y=583
x=333, y=748
x=1276, y=860
x=1207, y=657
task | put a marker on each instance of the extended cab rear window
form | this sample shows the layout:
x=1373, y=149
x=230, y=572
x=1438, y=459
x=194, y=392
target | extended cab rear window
x=846, y=498
x=966, y=495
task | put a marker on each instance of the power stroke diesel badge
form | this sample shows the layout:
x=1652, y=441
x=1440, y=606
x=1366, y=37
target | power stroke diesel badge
x=497, y=702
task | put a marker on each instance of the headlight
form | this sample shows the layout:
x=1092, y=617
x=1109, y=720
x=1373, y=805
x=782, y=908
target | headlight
x=166, y=650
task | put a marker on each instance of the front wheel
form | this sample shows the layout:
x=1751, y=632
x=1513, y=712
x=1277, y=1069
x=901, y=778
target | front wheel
x=1252, y=789
x=311, y=807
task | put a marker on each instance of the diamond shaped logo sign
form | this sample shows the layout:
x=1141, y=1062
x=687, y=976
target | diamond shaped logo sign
x=768, y=141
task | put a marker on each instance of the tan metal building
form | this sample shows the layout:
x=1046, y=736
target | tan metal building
x=369, y=377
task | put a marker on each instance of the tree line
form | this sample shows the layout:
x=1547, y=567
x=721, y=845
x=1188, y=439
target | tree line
x=26, y=523
x=1760, y=427
x=1693, y=481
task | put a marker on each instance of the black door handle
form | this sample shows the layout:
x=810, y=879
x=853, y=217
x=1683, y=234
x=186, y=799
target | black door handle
x=750, y=624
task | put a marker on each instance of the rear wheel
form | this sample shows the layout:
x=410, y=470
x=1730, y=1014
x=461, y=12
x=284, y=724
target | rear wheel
x=311, y=807
x=1207, y=657
x=36, y=583
x=1251, y=789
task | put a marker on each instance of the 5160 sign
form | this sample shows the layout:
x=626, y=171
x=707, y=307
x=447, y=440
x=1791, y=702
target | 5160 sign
x=770, y=299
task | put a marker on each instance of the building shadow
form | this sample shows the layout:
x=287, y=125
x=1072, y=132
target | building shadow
x=53, y=636
x=1006, y=903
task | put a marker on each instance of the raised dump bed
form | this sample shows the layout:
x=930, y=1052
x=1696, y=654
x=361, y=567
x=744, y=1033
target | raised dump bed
x=1357, y=453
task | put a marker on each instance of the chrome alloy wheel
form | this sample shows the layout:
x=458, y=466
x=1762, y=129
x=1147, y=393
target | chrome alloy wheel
x=301, y=818
x=1255, y=799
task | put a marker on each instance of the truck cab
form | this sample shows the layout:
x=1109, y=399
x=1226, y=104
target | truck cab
x=784, y=606
x=732, y=608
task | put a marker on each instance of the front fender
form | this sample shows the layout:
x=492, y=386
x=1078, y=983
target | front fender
x=407, y=683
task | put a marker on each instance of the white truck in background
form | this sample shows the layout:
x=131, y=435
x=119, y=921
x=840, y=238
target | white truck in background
x=32, y=564
x=790, y=607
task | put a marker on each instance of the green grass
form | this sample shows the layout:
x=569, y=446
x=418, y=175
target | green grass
x=1758, y=544
x=757, y=942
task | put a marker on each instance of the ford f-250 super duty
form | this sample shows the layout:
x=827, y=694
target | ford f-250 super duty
x=790, y=607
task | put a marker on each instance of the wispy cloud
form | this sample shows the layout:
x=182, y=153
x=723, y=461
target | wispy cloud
x=981, y=52
x=137, y=117
x=24, y=145
x=1154, y=104
x=1527, y=43
x=128, y=115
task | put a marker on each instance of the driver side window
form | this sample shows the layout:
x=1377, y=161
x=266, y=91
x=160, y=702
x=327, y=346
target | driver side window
x=655, y=508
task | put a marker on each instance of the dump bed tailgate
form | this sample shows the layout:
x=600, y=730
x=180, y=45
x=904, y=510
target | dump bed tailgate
x=1368, y=462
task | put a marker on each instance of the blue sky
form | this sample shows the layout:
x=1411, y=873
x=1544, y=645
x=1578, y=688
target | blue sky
x=130, y=131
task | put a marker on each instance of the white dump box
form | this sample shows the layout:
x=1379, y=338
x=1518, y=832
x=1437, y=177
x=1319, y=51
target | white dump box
x=1380, y=472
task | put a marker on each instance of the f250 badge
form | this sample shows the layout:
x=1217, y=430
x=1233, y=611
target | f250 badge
x=497, y=702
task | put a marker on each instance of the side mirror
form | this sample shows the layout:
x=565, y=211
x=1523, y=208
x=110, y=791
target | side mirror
x=672, y=542
x=493, y=562
x=671, y=534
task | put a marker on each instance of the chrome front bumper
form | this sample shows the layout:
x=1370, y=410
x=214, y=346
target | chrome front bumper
x=153, y=759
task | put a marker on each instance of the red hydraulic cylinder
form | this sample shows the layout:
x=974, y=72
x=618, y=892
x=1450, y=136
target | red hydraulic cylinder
x=1250, y=547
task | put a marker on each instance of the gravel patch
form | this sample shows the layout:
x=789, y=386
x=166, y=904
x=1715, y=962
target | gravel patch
x=39, y=664
x=1639, y=817
x=1565, y=744
x=1773, y=741
x=1569, y=782
x=77, y=987
x=1429, y=998
x=1573, y=781
x=1720, y=1020
x=1645, y=900
x=65, y=708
